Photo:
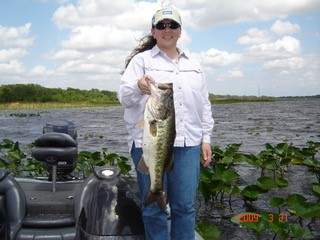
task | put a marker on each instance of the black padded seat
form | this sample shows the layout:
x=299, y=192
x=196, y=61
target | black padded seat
x=54, y=148
x=46, y=209
x=3, y=173
x=48, y=221
x=54, y=154
x=55, y=140
x=46, y=234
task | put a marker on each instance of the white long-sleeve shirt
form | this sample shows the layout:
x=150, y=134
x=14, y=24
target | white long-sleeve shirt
x=193, y=116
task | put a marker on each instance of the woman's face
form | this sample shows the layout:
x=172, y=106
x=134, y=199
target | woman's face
x=166, y=38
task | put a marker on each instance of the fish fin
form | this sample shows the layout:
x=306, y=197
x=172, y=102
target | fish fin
x=153, y=127
x=140, y=124
x=158, y=197
x=162, y=201
x=142, y=166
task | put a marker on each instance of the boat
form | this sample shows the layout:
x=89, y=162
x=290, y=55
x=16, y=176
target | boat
x=103, y=206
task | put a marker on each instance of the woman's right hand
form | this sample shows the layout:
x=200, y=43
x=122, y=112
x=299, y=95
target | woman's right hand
x=144, y=84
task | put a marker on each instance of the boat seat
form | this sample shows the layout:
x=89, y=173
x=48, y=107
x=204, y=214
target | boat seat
x=55, y=148
x=54, y=139
x=48, y=221
x=54, y=155
x=46, y=234
x=15, y=202
x=3, y=173
x=59, y=151
x=3, y=217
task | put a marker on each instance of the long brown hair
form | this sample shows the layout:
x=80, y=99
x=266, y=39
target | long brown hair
x=145, y=43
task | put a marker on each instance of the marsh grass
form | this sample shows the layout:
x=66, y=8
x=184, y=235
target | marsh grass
x=51, y=105
x=231, y=100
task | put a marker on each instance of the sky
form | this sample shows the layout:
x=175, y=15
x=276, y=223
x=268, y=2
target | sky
x=246, y=47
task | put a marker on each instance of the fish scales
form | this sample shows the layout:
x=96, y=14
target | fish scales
x=158, y=138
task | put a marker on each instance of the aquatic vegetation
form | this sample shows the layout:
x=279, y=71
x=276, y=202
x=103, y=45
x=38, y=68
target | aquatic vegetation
x=22, y=114
x=208, y=231
x=221, y=179
x=20, y=164
x=220, y=183
x=88, y=159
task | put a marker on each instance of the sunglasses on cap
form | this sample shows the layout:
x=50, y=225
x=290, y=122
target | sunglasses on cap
x=163, y=25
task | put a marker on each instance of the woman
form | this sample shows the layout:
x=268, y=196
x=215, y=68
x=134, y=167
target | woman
x=157, y=59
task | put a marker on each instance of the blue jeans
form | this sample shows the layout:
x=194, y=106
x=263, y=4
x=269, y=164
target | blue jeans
x=181, y=185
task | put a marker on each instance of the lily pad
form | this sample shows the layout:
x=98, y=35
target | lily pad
x=208, y=231
x=300, y=233
x=316, y=189
x=251, y=192
x=281, y=182
x=277, y=202
x=266, y=183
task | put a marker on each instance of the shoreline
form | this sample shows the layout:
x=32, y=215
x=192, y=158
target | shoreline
x=51, y=105
x=58, y=105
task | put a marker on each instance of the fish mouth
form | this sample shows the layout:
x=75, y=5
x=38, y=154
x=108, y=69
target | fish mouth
x=165, y=86
x=161, y=105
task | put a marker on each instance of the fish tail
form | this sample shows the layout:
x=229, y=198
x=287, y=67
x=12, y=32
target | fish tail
x=158, y=197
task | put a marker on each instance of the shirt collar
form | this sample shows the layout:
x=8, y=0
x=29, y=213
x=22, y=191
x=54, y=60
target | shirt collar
x=156, y=50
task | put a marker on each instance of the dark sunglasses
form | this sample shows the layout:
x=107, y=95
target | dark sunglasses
x=163, y=25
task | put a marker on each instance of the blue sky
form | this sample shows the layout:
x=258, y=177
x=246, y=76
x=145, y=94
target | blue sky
x=245, y=47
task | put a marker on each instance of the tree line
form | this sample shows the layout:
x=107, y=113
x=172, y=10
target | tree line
x=30, y=93
x=33, y=93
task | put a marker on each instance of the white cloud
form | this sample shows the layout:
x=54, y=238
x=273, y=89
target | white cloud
x=185, y=39
x=40, y=71
x=124, y=14
x=214, y=57
x=135, y=17
x=287, y=46
x=14, y=42
x=15, y=36
x=195, y=13
x=254, y=36
x=100, y=37
x=113, y=57
x=101, y=34
x=235, y=73
x=284, y=27
x=66, y=54
x=11, y=68
x=58, y=1
x=202, y=13
x=275, y=55
x=229, y=74
x=11, y=54
x=85, y=67
x=286, y=64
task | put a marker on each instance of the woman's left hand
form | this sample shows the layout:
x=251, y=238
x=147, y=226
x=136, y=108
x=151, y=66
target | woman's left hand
x=206, y=154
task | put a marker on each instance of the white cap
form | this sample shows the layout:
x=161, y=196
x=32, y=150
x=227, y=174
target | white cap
x=166, y=13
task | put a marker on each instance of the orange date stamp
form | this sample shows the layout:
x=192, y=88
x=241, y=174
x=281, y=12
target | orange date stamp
x=249, y=217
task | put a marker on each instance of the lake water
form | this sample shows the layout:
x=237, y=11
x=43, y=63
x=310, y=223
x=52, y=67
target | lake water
x=252, y=124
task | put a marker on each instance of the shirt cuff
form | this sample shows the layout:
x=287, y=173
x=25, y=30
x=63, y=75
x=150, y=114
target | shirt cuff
x=206, y=139
x=136, y=87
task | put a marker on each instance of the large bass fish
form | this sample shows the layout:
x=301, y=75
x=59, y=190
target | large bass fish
x=158, y=139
